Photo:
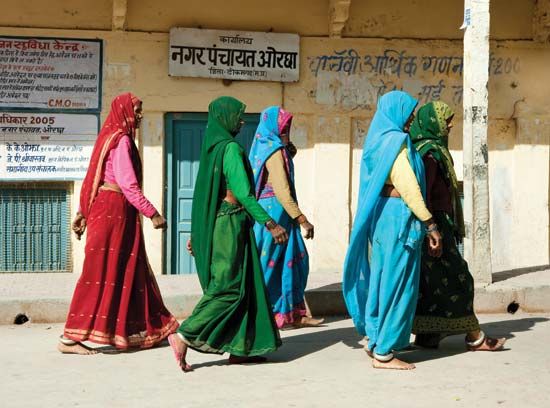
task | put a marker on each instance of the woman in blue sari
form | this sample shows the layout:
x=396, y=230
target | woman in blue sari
x=286, y=266
x=382, y=267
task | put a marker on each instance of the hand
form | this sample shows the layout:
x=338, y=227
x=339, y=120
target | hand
x=435, y=244
x=79, y=225
x=306, y=226
x=159, y=222
x=190, y=247
x=278, y=233
x=292, y=149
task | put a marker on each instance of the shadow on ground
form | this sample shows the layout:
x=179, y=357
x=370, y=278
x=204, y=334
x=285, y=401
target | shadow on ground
x=306, y=342
x=454, y=345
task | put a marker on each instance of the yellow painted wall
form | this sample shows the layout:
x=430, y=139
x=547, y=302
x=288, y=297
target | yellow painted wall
x=341, y=105
x=333, y=108
x=76, y=14
x=511, y=19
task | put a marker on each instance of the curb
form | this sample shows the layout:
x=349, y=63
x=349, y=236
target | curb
x=322, y=301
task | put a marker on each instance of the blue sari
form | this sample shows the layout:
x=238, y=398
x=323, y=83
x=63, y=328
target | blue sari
x=381, y=270
x=285, y=267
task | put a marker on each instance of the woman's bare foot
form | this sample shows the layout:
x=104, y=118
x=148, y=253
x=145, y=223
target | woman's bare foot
x=180, y=352
x=246, y=360
x=306, y=321
x=393, y=364
x=76, y=348
x=489, y=344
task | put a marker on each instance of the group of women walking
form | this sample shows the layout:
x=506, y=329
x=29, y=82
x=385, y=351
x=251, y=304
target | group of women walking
x=248, y=235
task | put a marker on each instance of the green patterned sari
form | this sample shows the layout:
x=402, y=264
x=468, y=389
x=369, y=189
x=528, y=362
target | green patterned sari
x=234, y=314
x=445, y=302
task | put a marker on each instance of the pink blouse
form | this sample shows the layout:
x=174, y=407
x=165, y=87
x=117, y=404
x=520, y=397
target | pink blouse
x=120, y=170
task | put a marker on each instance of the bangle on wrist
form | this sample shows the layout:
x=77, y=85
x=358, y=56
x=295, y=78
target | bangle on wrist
x=270, y=224
x=431, y=228
x=301, y=219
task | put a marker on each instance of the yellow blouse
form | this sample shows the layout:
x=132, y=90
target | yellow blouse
x=402, y=177
x=277, y=177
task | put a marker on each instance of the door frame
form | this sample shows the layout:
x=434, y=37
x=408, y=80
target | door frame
x=169, y=144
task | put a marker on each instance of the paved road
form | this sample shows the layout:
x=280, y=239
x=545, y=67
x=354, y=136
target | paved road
x=323, y=367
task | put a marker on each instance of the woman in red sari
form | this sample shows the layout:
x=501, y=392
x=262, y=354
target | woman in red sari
x=116, y=300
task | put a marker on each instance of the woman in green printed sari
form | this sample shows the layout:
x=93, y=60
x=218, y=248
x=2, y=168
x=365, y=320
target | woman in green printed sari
x=445, y=302
x=234, y=314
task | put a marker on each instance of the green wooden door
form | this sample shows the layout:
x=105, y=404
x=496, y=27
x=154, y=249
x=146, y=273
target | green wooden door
x=184, y=135
x=34, y=230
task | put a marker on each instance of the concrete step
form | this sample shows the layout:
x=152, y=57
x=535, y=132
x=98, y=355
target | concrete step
x=45, y=298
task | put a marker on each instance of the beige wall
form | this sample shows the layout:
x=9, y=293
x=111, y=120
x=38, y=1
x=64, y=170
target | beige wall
x=429, y=19
x=333, y=108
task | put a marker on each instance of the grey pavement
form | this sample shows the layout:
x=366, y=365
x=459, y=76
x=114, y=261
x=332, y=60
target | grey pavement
x=324, y=367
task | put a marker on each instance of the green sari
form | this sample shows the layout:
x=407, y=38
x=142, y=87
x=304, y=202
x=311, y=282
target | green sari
x=234, y=314
x=445, y=300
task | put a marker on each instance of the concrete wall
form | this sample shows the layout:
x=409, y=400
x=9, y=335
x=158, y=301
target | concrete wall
x=335, y=99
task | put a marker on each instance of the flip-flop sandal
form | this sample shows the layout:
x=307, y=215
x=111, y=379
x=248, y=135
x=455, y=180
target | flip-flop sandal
x=498, y=344
x=185, y=368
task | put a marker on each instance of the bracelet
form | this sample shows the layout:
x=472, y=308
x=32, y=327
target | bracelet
x=432, y=228
x=301, y=219
x=270, y=224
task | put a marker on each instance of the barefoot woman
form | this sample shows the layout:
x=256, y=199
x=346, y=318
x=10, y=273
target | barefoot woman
x=383, y=261
x=116, y=300
x=445, y=303
x=285, y=266
x=234, y=314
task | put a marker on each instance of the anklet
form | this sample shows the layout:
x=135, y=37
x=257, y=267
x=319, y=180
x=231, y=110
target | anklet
x=383, y=358
x=478, y=342
x=67, y=342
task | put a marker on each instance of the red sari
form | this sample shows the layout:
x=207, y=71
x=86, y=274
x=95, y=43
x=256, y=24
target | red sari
x=116, y=300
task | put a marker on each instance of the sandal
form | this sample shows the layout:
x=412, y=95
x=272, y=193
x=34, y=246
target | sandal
x=485, y=343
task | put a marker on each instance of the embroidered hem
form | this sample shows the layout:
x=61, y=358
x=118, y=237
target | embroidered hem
x=435, y=324
x=283, y=319
x=204, y=347
x=135, y=340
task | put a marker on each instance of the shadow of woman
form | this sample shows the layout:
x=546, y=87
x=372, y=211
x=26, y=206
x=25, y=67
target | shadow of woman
x=114, y=351
x=310, y=342
x=304, y=342
x=454, y=345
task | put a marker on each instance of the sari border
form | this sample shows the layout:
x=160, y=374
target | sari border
x=122, y=342
x=435, y=324
x=283, y=319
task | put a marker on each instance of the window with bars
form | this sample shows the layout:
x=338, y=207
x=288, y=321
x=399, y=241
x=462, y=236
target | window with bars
x=34, y=230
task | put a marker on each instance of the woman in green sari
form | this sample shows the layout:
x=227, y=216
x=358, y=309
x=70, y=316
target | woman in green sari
x=446, y=298
x=234, y=314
